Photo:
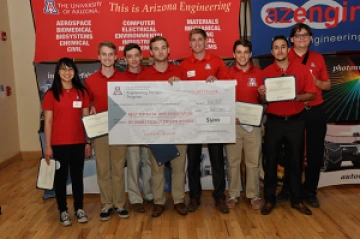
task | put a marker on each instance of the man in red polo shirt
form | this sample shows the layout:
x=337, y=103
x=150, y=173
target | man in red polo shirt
x=162, y=70
x=110, y=160
x=314, y=116
x=284, y=122
x=249, y=138
x=136, y=153
x=202, y=65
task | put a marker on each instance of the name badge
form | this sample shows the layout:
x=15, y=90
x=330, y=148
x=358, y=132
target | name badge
x=77, y=104
x=191, y=73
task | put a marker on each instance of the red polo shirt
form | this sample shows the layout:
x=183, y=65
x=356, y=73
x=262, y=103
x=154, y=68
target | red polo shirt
x=202, y=69
x=248, y=83
x=151, y=73
x=67, y=127
x=317, y=65
x=304, y=84
x=97, y=87
x=131, y=76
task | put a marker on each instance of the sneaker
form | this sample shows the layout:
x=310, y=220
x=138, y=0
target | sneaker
x=231, y=202
x=81, y=216
x=256, y=203
x=123, y=213
x=105, y=214
x=65, y=219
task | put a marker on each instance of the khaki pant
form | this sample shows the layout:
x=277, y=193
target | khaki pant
x=110, y=162
x=136, y=154
x=251, y=143
x=177, y=177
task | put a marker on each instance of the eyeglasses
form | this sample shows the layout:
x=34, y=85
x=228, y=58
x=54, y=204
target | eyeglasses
x=297, y=36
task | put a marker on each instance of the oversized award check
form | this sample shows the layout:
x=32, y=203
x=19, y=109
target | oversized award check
x=280, y=88
x=249, y=114
x=96, y=125
x=158, y=113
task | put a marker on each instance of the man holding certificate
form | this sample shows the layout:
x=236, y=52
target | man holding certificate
x=202, y=65
x=110, y=160
x=314, y=116
x=136, y=153
x=248, y=137
x=162, y=70
x=284, y=122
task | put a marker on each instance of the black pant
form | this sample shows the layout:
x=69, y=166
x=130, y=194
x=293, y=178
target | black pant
x=315, y=127
x=72, y=156
x=276, y=131
x=217, y=168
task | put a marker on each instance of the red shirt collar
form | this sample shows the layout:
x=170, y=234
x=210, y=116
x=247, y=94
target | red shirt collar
x=237, y=69
x=168, y=69
x=277, y=68
x=293, y=53
x=207, y=57
x=116, y=72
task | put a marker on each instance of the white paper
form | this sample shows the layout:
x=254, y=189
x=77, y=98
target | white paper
x=249, y=114
x=96, y=125
x=46, y=175
x=280, y=88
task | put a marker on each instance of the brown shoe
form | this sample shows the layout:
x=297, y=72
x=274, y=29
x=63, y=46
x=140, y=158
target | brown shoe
x=193, y=204
x=267, y=208
x=138, y=207
x=181, y=208
x=221, y=205
x=157, y=210
x=302, y=208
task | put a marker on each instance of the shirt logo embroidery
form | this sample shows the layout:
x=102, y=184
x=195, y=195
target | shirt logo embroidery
x=117, y=91
x=208, y=67
x=252, y=82
x=312, y=64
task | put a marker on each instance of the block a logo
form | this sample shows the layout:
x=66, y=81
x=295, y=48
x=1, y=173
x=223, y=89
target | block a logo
x=50, y=7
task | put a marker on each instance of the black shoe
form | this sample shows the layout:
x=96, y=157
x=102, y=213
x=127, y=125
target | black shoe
x=282, y=197
x=312, y=201
x=105, y=214
x=122, y=212
x=302, y=208
x=267, y=208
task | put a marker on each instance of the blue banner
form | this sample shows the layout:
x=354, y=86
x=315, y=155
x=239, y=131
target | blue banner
x=335, y=23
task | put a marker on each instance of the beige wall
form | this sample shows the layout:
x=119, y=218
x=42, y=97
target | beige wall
x=9, y=133
x=23, y=47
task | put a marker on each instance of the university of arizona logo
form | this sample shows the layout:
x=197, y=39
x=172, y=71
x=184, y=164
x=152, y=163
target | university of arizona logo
x=50, y=7
x=207, y=67
x=117, y=91
x=312, y=64
x=252, y=82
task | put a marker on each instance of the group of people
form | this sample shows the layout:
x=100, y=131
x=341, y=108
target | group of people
x=68, y=100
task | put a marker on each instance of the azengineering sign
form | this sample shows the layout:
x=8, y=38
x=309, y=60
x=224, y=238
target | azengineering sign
x=318, y=14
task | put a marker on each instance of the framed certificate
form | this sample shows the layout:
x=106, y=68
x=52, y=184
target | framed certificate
x=96, y=125
x=249, y=114
x=280, y=88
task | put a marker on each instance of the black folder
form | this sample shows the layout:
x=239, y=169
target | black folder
x=164, y=152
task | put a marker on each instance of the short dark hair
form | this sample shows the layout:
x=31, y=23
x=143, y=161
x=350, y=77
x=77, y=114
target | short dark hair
x=298, y=27
x=158, y=38
x=107, y=44
x=280, y=37
x=131, y=46
x=197, y=31
x=244, y=43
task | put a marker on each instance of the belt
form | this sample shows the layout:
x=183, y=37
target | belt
x=308, y=107
x=285, y=118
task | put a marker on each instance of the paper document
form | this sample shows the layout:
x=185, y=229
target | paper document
x=46, y=175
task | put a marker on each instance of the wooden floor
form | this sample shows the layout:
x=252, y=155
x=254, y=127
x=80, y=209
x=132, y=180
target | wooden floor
x=26, y=215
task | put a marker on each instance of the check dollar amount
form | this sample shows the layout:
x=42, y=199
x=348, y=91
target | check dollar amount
x=214, y=120
x=185, y=113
